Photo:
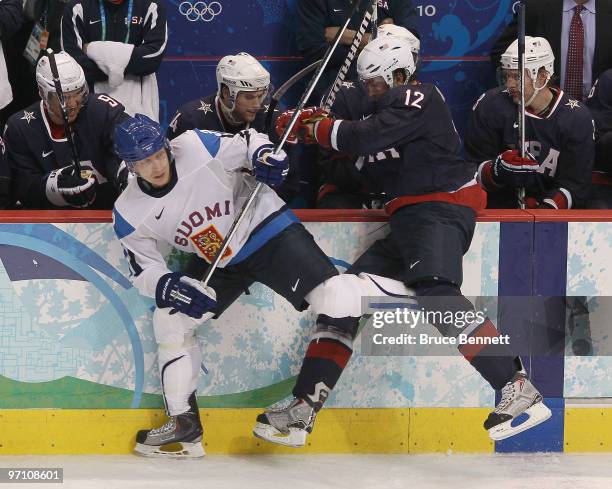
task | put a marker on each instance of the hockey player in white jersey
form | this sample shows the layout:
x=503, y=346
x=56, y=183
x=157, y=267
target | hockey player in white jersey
x=187, y=193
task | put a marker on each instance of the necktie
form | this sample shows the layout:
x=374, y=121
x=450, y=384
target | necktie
x=573, y=69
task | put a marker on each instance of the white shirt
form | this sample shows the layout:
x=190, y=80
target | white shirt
x=196, y=213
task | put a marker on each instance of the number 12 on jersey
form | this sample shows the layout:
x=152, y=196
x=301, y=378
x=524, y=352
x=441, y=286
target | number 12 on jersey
x=413, y=99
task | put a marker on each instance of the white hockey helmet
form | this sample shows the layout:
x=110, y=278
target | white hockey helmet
x=71, y=75
x=392, y=30
x=241, y=72
x=538, y=54
x=384, y=55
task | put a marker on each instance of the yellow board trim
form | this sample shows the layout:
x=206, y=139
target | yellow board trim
x=228, y=431
x=588, y=430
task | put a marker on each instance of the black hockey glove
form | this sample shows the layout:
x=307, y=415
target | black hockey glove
x=64, y=188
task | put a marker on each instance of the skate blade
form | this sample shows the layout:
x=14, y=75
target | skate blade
x=185, y=451
x=538, y=413
x=295, y=439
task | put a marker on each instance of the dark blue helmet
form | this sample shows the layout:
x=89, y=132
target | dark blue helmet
x=138, y=138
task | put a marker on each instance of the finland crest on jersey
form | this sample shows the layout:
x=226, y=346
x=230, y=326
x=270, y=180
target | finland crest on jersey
x=195, y=214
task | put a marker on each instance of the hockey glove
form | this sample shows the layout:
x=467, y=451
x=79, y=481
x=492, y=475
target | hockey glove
x=510, y=169
x=281, y=123
x=553, y=199
x=64, y=188
x=269, y=168
x=185, y=295
x=314, y=125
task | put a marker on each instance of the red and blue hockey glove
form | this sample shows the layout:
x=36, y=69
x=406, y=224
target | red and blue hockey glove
x=510, y=169
x=269, y=168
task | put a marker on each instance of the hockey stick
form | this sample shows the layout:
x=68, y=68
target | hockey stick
x=520, y=7
x=311, y=85
x=374, y=20
x=283, y=89
x=331, y=96
x=62, y=101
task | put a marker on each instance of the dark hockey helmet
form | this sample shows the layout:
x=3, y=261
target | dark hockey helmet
x=138, y=138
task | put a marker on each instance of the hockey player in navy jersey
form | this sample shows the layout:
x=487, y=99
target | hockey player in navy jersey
x=240, y=102
x=344, y=185
x=186, y=194
x=556, y=171
x=600, y=104
x=40, y=157
x=242, y=88
x=412, y=154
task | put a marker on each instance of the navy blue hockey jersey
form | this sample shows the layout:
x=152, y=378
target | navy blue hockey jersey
x=85, y=21
x=32, y=152
x=600, y=103
x=203, y=113
x=562, y=141
x=412, y=148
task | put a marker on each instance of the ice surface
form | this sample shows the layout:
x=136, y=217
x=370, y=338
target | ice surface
x=490, y=471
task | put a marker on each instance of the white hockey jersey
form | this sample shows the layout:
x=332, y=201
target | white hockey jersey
x=193, y=213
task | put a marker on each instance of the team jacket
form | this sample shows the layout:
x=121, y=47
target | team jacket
x=194, y=212
x=10, y=18
x=315, y=15
x=82, y=23
x=204, y=113
x=32, y=152
x=412, y=150
x=600, y=103
x=562, y=142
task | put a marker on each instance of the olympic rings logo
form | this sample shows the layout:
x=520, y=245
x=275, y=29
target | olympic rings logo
x=200, y=10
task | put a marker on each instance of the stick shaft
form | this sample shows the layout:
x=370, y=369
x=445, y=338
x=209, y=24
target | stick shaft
x=521, y=111
x=315, y=79
x=60, y=95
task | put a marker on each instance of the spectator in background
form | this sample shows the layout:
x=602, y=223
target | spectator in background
x=120, y=45
x=556, y=171
x=579, y=33
x=10, y=21
x=600, y=103
x=39, y=155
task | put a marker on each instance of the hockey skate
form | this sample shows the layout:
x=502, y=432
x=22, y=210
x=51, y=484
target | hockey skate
x=184, y=431
x=287, y=426
x=518, y=396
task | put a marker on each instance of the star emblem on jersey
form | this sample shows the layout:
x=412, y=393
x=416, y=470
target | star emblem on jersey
x=348, y=84
x=206, y=108
x=572, y=104
x=208, y=241
x=28, y=116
